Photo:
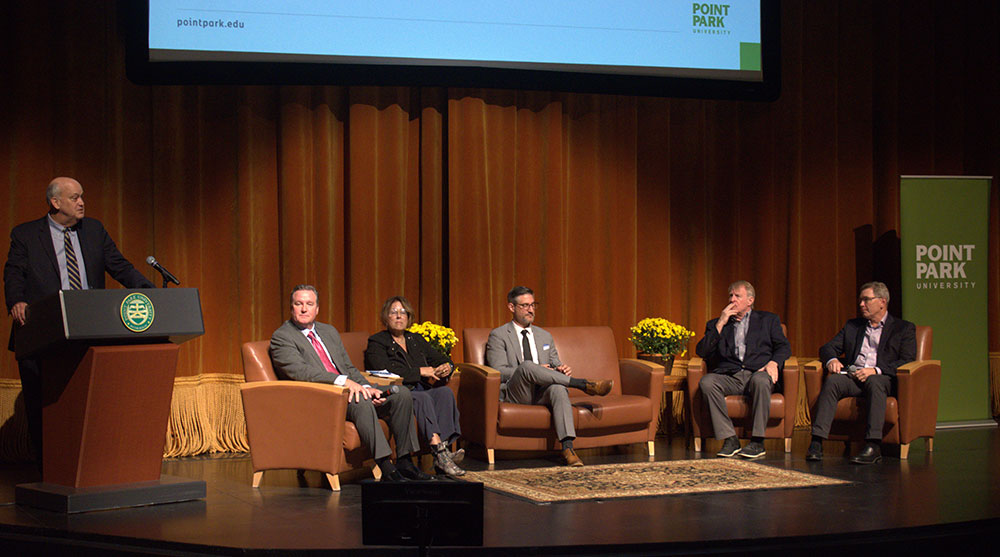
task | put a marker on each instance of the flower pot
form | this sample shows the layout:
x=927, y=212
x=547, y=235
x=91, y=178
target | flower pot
x=665, y=360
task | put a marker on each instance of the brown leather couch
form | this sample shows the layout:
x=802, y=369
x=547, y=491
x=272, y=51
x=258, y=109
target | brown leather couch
x=910, y=414
x=781, y=415
x=627, y=415
x=299, y=425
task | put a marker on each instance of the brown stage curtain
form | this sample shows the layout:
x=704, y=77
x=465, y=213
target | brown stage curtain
x=612, y=208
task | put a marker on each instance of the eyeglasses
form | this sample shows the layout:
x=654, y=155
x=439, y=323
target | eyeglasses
x=866, y=299
x=398, y=312
x=532, y=305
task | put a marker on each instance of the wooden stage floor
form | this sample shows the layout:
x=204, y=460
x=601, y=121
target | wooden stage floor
x=935, y=501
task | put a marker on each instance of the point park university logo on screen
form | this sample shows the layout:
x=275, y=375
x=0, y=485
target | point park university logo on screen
x=709, y=19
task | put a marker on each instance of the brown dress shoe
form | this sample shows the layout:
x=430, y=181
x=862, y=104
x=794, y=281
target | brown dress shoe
x=599, y=388
x=569, y=455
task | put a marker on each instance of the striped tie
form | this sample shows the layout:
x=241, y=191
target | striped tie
x=72, y=268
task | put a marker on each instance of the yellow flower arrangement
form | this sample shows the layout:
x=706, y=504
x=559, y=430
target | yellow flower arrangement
x=656, y=335
x=440, y=337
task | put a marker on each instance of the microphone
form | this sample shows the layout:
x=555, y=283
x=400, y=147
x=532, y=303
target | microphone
x=387, y=389
x=167, y=275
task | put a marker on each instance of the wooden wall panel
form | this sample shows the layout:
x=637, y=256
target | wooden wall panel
x=656, y=287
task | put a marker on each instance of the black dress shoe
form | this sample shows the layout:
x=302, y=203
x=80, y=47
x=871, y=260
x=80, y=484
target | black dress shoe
x=406, y=468
x=815, y=451
x=393, y=477
x=868, y=455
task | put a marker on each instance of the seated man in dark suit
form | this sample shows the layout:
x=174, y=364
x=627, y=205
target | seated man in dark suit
x=64, y=250
x=862, y=361
x=744, y=351
x=305, y=350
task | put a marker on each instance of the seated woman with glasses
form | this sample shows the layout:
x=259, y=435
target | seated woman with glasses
x=425, y=371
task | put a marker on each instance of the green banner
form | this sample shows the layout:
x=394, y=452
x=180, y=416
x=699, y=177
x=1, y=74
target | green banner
x=943, y=234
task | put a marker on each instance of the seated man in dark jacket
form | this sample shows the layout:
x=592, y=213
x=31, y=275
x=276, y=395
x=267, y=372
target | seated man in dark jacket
x=744, y=350
x=862, y=361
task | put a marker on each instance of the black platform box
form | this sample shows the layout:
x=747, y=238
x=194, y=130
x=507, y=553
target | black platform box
x=426, y=514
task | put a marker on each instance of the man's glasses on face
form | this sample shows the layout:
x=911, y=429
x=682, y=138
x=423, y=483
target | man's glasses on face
x=532, y=305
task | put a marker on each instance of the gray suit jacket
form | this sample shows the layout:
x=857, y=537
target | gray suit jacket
x=504, y=350
x=295, y=358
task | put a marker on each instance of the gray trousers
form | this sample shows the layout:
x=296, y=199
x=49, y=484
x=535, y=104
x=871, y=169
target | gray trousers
x=398, y=409
x=755, y=385
x=436, y=412
x=535, y=384
x=875, y=390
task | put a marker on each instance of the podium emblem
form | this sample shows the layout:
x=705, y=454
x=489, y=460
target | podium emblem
x=137, y=312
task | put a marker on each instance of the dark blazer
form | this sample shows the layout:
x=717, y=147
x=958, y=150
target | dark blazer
x=32, y=272
x=294, y=357
x=897, y=346
x=383, y=353
x=764, y=342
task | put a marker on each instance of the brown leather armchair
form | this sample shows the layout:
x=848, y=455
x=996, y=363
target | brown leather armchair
x=781, y=416
x=627, y=415
x=299, y=425
x=910, y=414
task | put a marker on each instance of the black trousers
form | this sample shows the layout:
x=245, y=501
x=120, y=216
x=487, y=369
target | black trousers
x=836, y=386
x=31, y=394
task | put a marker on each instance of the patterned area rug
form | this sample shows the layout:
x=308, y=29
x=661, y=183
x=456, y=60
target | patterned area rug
x=643, y=479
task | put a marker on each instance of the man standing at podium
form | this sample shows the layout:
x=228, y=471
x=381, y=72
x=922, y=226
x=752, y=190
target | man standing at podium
x=61, y=251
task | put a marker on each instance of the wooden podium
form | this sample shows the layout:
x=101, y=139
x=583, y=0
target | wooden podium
x=108, y=360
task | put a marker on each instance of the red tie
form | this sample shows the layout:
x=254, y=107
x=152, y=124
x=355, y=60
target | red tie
x=322, y=354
